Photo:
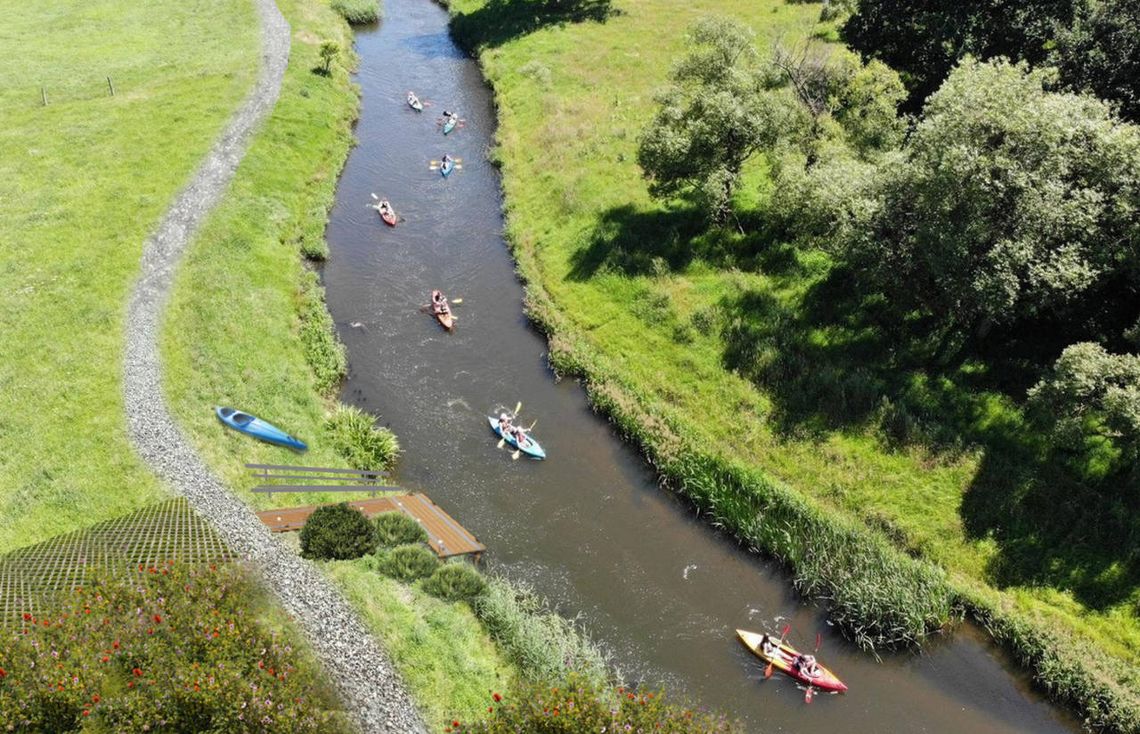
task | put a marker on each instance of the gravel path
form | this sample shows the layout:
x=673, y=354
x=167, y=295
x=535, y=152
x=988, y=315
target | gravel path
x=362, y=672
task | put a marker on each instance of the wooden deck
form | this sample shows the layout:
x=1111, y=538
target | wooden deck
x=446, y=537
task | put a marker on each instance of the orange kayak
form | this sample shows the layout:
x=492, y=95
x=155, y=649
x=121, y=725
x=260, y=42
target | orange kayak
x=784, y=658
x=446, y=320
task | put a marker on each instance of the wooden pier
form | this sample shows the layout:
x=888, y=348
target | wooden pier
x=446, y=537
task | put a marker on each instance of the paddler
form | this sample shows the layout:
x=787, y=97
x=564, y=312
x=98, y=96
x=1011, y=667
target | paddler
x=807, y=666
x=768, y=646
x=504, y=423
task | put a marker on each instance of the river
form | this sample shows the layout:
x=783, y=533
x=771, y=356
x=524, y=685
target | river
x=588, y=528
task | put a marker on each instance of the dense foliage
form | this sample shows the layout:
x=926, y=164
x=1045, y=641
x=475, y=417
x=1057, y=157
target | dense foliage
x=1011, y=204
x=575, y=705
x=407, y=562
x=1101, y=53
x=457, y=581
x=396, y=528
x=356, y=437
x=358, y=12
x=170, y=648
x=337, y=532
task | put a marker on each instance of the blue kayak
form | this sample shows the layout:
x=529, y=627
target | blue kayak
x=449, y=124
x=446, y=167
x=530, y=448
x=254, y=426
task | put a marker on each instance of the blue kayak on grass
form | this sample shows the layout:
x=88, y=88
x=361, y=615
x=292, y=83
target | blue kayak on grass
x=530, y=448
x=254, y=426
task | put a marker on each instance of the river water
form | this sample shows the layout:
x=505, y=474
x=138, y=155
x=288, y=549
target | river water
x=588, y=527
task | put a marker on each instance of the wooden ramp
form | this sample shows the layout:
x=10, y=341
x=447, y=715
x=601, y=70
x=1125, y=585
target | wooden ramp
x=446, y=537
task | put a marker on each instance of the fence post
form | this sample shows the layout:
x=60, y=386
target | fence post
x=111, y=85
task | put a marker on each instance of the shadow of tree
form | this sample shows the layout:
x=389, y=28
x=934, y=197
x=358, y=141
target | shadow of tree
x=500, y=21
x=832, y=358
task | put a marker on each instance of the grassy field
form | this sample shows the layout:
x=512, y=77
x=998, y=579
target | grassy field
x=440, y=648
x=667, y=322
x=83, y=181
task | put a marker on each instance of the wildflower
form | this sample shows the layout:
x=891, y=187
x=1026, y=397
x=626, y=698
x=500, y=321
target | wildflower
x=86, y=712
x=158, y=619
x=3, y=673
x=27, y=617
x=105, y=658
x=95, y=698
x=137, y=672
x=497, y=697
x=455, y=724
x=115, y=644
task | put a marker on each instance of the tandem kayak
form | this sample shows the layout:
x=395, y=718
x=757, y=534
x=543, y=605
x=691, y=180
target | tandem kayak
x=254, y=426
x=784, y=659
x=449, y=124
x=446, y=167
x=445, y=317
x=414, y=102
x=530, y=448
x=386, y=212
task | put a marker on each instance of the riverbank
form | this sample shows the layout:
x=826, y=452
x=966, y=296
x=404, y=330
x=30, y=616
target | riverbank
x=635, y=306
x=84, y=179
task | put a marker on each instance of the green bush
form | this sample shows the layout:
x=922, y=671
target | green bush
x=323, y=350
x=407, y=562
x=337, y=532
x=574, y=704
x=186, y=645
x=542, y=644
x=353, y=433
x=455, y=582
x=358, y=12
x=396, y=528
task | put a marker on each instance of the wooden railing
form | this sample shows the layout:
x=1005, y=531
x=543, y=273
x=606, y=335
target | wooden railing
x=316, y=479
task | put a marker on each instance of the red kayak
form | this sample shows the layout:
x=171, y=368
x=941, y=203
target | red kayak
x=784, y=657
x=386, y=212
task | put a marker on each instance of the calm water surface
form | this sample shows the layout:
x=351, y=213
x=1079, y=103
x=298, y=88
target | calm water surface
x=588, y=527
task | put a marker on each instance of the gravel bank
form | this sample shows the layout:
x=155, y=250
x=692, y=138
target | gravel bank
x=368, y=684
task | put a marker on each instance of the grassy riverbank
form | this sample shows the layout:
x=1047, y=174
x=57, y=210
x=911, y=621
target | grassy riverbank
x=84, y=180
x=641, y=304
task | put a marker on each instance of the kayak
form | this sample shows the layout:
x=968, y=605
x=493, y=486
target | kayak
x=254, y=426
x=388, y=215
x=783, y=659
x=415, y=103
x=531, y=448
x=446, y=320
x=446, y=167
x=449, y=124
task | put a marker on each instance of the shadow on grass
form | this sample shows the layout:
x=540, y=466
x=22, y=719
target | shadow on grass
x=832, y=359
x=634, y=241
x=500, y=21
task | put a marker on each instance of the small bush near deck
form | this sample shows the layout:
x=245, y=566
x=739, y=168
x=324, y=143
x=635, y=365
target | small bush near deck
x=174, y=648
x=355, y=437
x=337, y=532
x=455, y=582
x=358, y=12
x=574, y=705
x=396, y=528
x=408, y=562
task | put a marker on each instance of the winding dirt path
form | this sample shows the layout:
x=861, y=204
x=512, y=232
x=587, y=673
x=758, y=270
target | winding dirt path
x=364, y=676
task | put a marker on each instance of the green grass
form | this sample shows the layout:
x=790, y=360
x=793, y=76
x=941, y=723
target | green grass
x=440, y=648
x=638, y=299
x=358, y=11
x=84, y=181
x=246, y=324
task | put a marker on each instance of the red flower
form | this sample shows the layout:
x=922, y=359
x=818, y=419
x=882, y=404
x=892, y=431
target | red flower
x=86, y=712
x=3, y=673
x=454, y=723
x=27, y=617
x=158, y=619
x=490, y=709
x=497, y=697
x=115, y=644
x=137, y=672
x=106, y=658
x=95, y=698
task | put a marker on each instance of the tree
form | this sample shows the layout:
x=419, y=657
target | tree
x=1101, y=53
x=924, y=39
x=714, y=117
x=1010, y=203
x=1092, y=396
x=329, y=51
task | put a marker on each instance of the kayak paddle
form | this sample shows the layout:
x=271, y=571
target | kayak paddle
x=768, y=670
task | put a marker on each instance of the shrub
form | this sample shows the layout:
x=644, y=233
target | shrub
x=358, y=12
x=407, y=562
x=396, y=528
x=542, y=644
x=455, y=582
x=574, y=704
x=180, y=644
x=355, y=437
x=337, y=532
x=323, y=350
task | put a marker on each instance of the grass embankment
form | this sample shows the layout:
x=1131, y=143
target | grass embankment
x=84, y=180
x=649, y=309
x=247, y=324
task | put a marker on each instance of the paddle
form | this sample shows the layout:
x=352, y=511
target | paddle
x=810, y=692
x=515, y=455
x=768, y=670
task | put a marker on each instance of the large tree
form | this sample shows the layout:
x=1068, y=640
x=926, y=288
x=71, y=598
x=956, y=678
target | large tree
x=924, y=39
x=1101, y=53
x=714, y=117
x=1011, y=203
